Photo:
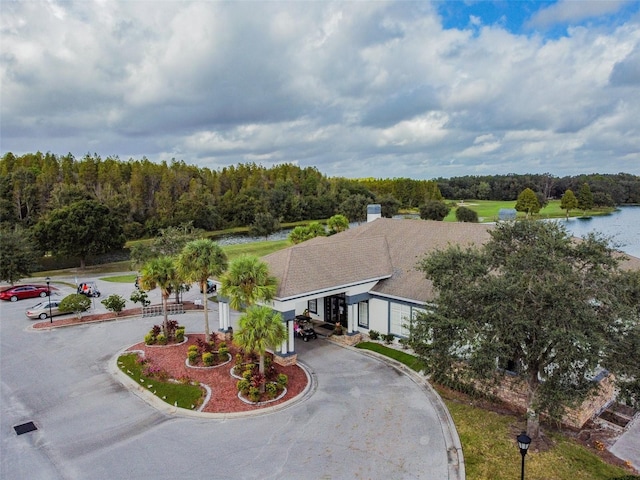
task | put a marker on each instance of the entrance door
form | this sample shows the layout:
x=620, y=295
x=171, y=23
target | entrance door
x=335, y=309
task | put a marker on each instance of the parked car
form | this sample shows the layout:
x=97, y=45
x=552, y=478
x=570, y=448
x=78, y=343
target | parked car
x=24, y=291
x=90, y=289
x=42, y=309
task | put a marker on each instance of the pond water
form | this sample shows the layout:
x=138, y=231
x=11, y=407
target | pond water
x=622, y=226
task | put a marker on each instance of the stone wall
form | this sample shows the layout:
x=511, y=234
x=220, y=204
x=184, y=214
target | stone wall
x=513, y=391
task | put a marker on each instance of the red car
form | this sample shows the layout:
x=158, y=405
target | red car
x=23, y=291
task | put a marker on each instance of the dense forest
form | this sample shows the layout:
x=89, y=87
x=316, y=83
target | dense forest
x=146, y=197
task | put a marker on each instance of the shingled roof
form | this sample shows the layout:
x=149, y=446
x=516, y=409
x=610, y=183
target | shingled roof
x=386, y=250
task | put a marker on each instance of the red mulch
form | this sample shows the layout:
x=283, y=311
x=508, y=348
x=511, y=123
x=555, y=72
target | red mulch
x=224, y=394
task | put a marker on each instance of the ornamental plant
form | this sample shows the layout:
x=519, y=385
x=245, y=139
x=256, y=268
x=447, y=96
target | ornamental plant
x=207, y=358
x=114, y=303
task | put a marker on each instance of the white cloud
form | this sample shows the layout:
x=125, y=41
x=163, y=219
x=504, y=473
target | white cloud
x=349, y=87
x=573, y=11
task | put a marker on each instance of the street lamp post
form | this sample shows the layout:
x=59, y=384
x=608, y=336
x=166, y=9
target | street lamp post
x=524, y=441
x=48, y=280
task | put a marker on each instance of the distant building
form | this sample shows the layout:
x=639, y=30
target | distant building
x=507, y=214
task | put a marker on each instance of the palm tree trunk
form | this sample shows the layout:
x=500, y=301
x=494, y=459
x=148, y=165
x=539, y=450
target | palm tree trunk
x=165, y=324
x=205, y=304
x=261, y=370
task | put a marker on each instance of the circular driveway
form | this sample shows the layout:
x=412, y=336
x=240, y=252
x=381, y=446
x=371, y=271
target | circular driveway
x=364, y=418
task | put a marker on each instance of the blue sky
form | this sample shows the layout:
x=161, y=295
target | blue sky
x=355, y=89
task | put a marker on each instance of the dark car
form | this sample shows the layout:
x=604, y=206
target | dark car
x=211, y=287
x=24, y=291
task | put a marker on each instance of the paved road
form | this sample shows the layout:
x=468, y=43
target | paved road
x=363, y=420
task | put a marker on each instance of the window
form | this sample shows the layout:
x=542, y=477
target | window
x=363, y=314
x=401, y=317
x=312, y=305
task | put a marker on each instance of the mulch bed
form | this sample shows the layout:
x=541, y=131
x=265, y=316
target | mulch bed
x=171, y=358
x=224, y=394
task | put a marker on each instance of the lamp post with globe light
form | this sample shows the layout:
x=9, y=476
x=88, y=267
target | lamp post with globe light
x=48, y=280
x=524, y=441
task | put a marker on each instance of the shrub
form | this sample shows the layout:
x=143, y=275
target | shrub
x=149, y=339
x=207, y=358
x=75, y=303
x=272, y=390
x=223, y=351
x=192, y=348
x=114, y=303
x=161, y=339
x=374, y=334
x=192, y=355
x=248, y=373
x=254, y=394
x=465, y=214
x=283, y=380
x=243, y=386
x=404, y=342
x=180, y=335
x=388, y=338
x=140, y=296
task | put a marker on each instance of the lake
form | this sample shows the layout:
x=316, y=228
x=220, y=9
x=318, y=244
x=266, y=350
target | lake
x=622, y=226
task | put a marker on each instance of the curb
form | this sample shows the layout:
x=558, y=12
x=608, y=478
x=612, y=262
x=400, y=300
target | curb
x=167, y=409
x=455, y=456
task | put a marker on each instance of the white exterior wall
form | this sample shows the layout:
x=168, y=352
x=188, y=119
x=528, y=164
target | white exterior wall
x=378, y=315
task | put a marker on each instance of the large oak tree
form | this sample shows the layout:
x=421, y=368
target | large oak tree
x=533, y=300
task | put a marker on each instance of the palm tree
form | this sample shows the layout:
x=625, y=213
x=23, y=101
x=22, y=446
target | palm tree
x=260, y=328
x=160, y=272
x=247, y=282
x=198, y=260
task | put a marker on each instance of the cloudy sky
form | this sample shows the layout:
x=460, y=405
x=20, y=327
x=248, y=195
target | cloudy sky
x=355, y=89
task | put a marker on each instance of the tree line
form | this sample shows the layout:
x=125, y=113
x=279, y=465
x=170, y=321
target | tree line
x=88, y=206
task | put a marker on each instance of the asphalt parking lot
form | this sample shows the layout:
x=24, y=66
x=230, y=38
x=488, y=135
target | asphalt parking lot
x=363, y=420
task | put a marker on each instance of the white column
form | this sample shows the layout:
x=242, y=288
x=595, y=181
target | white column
x=292, y=347
x=283, y=346
x=352, y=312
x=223, y=315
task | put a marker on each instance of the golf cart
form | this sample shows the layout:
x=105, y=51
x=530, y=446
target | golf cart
x=90, y=289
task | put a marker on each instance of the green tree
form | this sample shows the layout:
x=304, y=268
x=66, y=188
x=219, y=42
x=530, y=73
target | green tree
x=303, y=233
x=337, y=224
x=81, y=229
x=389, y=205
x=264, y=224
x=75, y=303
x=247, y=281
x=18, y=254
x=261, y=328
x=546, y=307
x=199, y=260
x=114, y=303
x=465, y=214
x=160, y=272
x=354, y=207
x=585, y=198
x=568, y=201
x=434, y=210
x=528, y=202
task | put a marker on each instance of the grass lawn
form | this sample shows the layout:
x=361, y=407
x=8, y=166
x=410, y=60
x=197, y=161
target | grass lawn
x=489, y=446
x=488, y=210
x=184, y=395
